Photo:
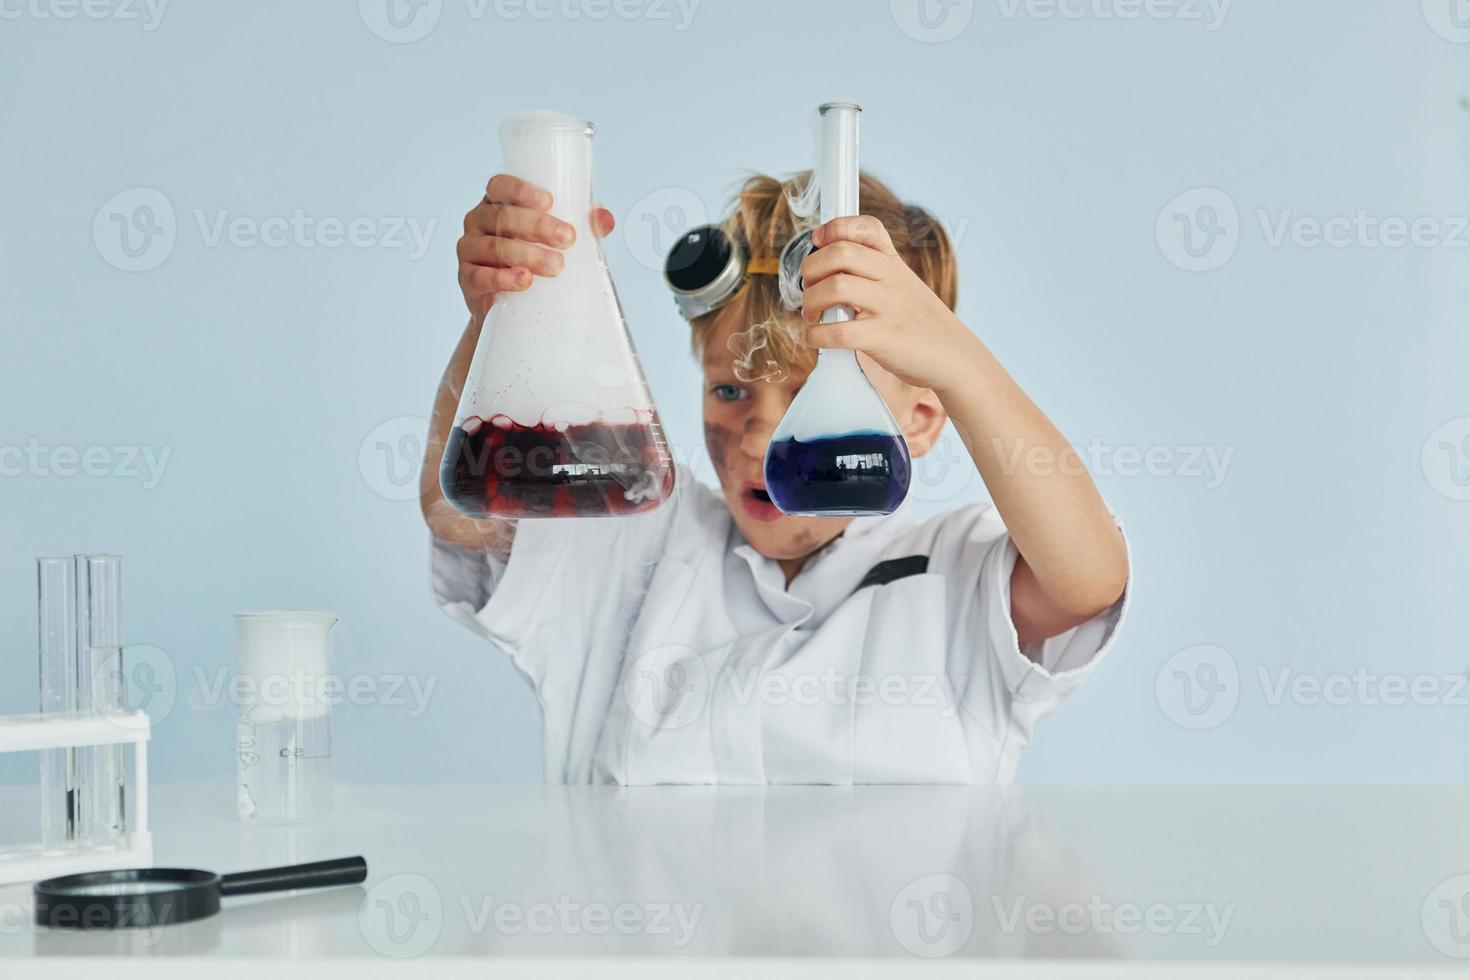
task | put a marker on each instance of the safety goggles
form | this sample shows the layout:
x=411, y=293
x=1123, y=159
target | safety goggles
x=707, y=267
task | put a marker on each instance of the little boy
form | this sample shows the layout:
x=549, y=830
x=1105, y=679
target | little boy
x=717, y=640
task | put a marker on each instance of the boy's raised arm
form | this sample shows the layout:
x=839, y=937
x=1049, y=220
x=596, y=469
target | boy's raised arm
x=445, y=522
x=1074, y=561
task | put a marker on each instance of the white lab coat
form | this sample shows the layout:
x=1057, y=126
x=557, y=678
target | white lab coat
x=663, y=649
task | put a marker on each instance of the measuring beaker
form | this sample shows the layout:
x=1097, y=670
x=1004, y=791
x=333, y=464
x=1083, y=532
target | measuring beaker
x=283, y=728
x=556, y=419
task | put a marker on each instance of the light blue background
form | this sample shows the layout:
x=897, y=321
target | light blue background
x=1049, y=145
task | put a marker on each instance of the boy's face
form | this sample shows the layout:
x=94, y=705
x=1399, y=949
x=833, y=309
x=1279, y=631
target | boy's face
x=739, y=420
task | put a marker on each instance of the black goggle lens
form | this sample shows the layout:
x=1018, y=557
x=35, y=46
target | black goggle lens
x=697, y=258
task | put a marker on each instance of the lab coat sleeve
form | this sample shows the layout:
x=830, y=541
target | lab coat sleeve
x=563, y=586
x=1009, y=689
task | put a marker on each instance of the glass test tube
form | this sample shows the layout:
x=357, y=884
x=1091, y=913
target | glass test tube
x=57, y=589
x=101, y=689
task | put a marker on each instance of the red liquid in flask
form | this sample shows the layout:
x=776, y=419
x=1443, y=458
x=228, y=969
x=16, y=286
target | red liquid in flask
x=503, y=469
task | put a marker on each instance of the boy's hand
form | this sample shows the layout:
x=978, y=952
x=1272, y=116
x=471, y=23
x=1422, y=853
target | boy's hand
x=899, y=323
x=509, y=237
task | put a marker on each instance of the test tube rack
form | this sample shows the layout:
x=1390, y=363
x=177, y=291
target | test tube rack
x=38, y=733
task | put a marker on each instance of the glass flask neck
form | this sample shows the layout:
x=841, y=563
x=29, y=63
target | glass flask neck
x=839, y=360
x=837, y=160
x=553, y=151
x=837, y=174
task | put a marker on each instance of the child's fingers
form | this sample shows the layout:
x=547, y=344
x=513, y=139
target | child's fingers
x=505, y=189
x=527, y=224
x=484, y=280
x=488, y=250
x=848, y=335
x=602, y=221
x=843, y=256
x=840, y=289
x=861, y=228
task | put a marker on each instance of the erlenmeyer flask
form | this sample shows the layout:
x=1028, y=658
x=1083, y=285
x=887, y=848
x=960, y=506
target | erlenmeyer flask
x=556, y=419
x=838, y=450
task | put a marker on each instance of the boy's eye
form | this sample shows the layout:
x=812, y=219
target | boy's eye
x=727, y=392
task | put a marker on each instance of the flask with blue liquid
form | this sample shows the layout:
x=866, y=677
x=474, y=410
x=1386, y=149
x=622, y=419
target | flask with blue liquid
x=838, y=451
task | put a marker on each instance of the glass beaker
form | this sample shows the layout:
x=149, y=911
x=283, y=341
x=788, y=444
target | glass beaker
x=556, y=419
x=283, y=729
x=838, y=450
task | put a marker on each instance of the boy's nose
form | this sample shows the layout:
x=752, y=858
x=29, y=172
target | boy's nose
x=757, y=437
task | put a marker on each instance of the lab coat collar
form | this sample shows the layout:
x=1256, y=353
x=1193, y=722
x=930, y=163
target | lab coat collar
x=861, y=527
x=901, y=518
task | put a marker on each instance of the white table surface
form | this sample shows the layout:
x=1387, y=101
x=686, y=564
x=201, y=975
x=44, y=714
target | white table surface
x=1107, y=878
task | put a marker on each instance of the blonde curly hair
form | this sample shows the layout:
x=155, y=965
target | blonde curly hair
x=761, y=216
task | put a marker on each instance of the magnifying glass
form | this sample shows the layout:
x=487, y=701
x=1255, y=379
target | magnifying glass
x=140, y=897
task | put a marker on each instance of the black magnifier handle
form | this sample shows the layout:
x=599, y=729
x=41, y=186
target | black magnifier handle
x=320, y=874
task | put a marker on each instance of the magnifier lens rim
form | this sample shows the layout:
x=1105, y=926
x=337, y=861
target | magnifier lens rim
x=66, y=903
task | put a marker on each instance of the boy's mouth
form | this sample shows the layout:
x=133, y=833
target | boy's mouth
x=757, y=503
